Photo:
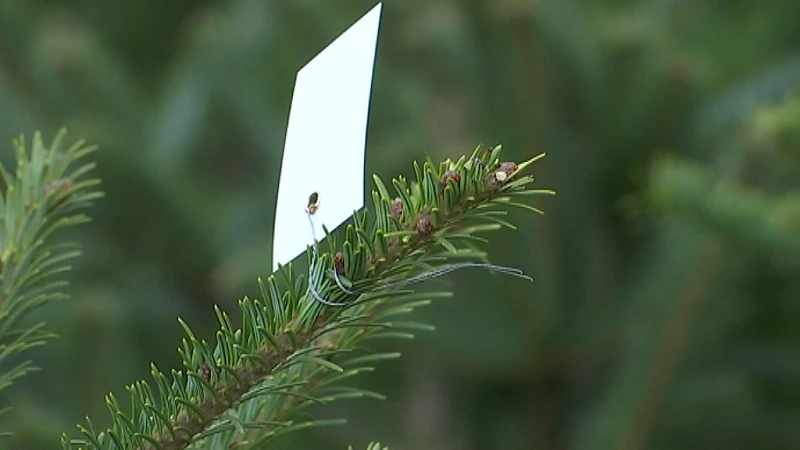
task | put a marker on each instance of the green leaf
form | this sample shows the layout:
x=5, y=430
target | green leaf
x=446, y=244
x=323, y=362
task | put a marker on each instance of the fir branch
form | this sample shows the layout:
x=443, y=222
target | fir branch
x=291, y=349
x=41, y=198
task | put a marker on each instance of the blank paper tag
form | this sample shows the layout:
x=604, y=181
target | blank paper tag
x=325, y=139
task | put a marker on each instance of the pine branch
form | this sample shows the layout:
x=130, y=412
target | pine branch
x=291, y=350
x=41, y=198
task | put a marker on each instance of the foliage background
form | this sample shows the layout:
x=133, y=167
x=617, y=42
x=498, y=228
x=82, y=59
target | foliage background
x=666, y=312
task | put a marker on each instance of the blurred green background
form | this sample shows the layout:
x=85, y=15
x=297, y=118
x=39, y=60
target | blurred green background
x=666, y=311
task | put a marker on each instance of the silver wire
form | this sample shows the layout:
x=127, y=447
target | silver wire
x=444, y=271
x=415, y=279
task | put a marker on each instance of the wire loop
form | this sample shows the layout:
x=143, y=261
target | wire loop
x=312, y=279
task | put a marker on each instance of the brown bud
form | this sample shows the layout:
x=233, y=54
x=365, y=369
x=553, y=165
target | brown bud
x=338, y=263
x=424, y=225
x=450, y=175
x=397, y=208
x=492, y=183
x=508, y=168
x=206, y=372
x=495, y=179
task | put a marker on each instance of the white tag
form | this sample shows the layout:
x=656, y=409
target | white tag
x=325, y=139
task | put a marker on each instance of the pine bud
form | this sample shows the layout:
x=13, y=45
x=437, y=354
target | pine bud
x=494, y=180
x=508, y=168
x=338, y=263
x=424, y=225
x=397, y=208
x=492, y=183
x=450, y=175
